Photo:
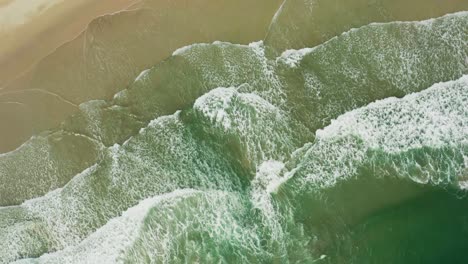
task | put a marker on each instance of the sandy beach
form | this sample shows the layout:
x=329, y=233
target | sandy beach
x=112, y=50
x=234, y=131
x=32, y=29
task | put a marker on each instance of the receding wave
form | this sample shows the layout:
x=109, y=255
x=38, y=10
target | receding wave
x=222, y=153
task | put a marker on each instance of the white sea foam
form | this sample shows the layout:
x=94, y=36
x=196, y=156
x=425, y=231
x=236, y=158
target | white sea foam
x=142, y=75
x=107, y=244
x=214, y=104
x=185, y=49
x=435, y=118
x=277, y=14
x=26, y=144
x=269, y=175
x=332, y=153
x=64, y=210
x=267, y=178
x=263, y=130
x=292, y=57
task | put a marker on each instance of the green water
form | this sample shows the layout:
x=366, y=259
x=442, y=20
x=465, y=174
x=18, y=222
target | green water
x=352, y=151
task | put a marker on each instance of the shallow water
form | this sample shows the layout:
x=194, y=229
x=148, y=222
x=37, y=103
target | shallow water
x=114, y=49
x=351, y=150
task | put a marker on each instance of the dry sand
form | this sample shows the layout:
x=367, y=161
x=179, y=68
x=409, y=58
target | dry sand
x=30, y=30
x=107, y=56
x=111, y=52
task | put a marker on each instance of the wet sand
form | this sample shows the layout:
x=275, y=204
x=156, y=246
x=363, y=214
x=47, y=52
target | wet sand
x=107, y=56
x=114, y=49
x=321, y=20
x=30, y=31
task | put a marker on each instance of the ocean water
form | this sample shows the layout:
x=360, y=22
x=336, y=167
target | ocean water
x=348, y=148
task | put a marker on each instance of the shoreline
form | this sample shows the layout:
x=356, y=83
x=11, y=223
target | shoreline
x=45, y=31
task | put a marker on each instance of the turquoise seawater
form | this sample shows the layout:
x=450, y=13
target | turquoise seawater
x=354, y=150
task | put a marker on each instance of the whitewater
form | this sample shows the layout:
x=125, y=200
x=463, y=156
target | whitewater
x=353, y=150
